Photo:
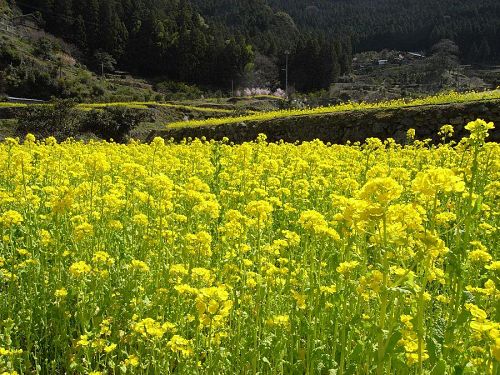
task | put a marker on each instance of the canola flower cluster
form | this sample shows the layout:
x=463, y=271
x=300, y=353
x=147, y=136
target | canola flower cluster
x=206, y=257
x=442, y=98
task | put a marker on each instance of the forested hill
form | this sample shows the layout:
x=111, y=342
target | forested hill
x=400, y=24
x=217, y=42
x=148, y=37
x=372, y=25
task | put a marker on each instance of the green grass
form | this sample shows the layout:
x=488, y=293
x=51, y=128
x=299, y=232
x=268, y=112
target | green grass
x=130, y=105
x=12, y=105
x=146, y=105
x=267, y=97
x=194, y=108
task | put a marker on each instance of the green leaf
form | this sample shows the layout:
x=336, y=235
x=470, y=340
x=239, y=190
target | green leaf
x=440, y=368
x=459, y=370
x=434, y=349
x=436, y=339
x=356, y=352
x=391, y=344
x=463, y=317
x=399, y=367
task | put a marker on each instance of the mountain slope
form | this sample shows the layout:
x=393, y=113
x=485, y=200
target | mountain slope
x=147, y=37
x=226, y=43
x=372, y=25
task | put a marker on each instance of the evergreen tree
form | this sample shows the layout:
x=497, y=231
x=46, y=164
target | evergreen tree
x=336, y=68
x=90, y=13
x=473, y=54
x=207, y=41
x=346, y=60
x=484, y=52
x=80, y=33
x=63, y=12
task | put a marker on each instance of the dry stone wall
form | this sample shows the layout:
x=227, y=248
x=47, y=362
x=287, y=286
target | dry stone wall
x=352, y=126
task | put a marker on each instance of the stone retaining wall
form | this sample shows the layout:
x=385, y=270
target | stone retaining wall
x=353, y=126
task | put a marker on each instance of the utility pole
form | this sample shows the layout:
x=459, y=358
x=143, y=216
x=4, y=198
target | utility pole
x=287, y=52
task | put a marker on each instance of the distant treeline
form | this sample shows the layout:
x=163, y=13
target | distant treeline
x=220, y=42
x=169, y=38
x=372, y=25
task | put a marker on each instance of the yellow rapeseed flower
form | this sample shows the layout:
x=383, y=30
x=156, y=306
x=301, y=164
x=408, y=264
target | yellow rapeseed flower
x=11, y=218
x=61, y=293
x=80, y=268
x=139, y=265
x=345, y=268
x=179, y=344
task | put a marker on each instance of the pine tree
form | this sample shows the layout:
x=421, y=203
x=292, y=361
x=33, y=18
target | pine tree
x=90, y=14
x=336, y=68
x=80, y=33
x=484, y=51
x=63, y=12
x=473, y=54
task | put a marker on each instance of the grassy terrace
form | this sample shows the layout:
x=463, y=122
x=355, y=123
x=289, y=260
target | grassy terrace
x=445, y=98
x=131, y=105
x=14, y=105
x=146, y=105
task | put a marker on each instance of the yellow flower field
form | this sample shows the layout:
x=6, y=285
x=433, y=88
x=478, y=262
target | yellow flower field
x=211, y=258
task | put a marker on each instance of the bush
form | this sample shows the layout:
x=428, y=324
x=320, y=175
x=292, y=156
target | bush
x=63, y=119
x=30, y=82
x=60, y=120
x=3, y=97
x=9, y=55
x=178, y=90
x=112, y=123
x=43, y=48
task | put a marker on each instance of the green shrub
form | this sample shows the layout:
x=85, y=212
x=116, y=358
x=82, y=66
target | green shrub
x=61, y=120
x=9, y=55
x=43, y=48
x=112, y=122
x=178, y=90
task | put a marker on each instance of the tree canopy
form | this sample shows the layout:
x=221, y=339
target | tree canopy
x=214, y=42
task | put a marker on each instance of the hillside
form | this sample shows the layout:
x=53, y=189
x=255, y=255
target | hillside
x=147, y=37
x=372, y=25
x=227, y=43
x=36, y=64
x=263, y=187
